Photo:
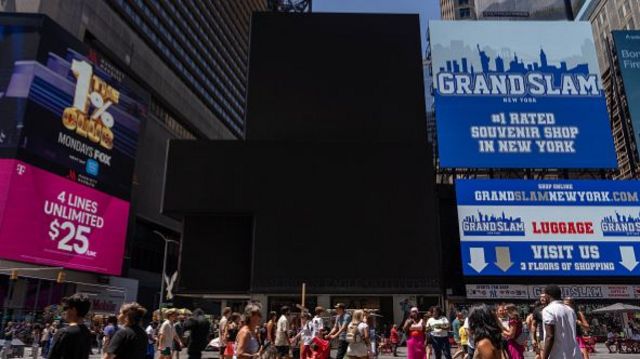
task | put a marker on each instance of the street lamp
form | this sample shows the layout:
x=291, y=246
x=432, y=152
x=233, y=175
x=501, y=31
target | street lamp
x=164, y=264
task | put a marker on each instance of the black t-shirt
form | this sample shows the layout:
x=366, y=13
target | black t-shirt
x=129, y=343
x=72, y=342
x=199, y=328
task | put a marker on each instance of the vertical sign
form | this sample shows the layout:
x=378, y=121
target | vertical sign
x=628, y=49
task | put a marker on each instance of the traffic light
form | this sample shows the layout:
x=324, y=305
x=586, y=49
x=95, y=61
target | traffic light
x=61, y=276
x=14, y=275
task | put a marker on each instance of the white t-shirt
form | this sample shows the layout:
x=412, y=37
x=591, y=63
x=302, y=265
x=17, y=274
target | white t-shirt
x=563, y=319
x=168, y=332
x=307, y=333
x=149, y=332
x=221, y=325
x=318, y=324
x=282, y=330
x=438, y=327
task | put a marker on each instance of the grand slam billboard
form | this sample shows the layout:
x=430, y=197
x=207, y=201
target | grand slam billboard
x=549, y=228
x=519, y=95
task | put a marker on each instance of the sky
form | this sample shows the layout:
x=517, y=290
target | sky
x=428, y=9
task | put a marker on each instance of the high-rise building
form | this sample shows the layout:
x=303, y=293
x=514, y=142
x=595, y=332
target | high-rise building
x=508, y=9
x=606, y=16
x=457, y=10
x=192, y=58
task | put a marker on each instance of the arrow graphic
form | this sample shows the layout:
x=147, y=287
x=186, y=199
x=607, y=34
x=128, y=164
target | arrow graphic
x=503, y=257
x=477, y=259
x=628, y=256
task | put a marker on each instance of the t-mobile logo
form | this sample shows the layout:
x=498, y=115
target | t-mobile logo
x=21, y=169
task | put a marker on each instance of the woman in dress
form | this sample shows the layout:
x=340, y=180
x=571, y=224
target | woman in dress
x=358, y=337
x=415, y=329
x=513, y=332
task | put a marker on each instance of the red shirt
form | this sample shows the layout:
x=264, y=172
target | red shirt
x=394, y=336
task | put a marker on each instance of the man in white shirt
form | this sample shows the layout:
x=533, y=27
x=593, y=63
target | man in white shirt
x=222, y=326
x=317, y=322
x=559, y=327
x=282, y=333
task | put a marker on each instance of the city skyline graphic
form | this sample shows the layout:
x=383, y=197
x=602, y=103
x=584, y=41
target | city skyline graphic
x=513, y=65
x=491, y=218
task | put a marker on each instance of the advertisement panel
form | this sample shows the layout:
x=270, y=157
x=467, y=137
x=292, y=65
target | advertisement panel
x=519, y=95
x=627, y=45
x=68, y=138
x=523, y=9
x=549, y=228
x=533, y=292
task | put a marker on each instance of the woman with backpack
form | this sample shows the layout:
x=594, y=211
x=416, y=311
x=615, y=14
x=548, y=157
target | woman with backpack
x=358, y=337
x=514, y=333
x=414, y=328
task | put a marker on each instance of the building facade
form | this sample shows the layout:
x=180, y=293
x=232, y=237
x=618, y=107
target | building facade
x=606, y=16
x=192, y=57
x=457, y=10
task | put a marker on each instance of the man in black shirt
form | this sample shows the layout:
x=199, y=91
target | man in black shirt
x=198, y=326
x=131, y=341
x=73, y=341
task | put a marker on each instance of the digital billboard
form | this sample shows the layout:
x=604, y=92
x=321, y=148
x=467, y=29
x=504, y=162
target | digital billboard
x=524, y=9
x=549, y=228
x=628, y=49
x=519, y=95
x=68, y=138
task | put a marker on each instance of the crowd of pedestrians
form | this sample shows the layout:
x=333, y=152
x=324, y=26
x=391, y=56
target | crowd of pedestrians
x=554, y=328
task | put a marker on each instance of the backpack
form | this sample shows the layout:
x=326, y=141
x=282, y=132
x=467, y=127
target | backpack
x=353, y=334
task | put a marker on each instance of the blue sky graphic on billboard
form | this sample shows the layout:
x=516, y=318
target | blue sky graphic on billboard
x=549, y=228
x=519, y=95
x=628, y=49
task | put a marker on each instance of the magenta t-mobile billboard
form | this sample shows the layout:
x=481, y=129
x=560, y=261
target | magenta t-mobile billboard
x=68, y=138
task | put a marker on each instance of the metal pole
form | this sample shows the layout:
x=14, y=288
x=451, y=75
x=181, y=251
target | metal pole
x=164, y=270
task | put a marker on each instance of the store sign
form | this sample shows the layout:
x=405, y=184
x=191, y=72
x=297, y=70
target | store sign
x=519, y=95
x=533, y=292
x=628, y=49
x=549, y=228
x=497, y=291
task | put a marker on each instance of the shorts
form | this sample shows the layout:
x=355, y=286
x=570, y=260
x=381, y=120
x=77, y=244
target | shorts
x=465, y=348
x=581, y=343
x=229, y=350
x=166, y=351
x=283, y=350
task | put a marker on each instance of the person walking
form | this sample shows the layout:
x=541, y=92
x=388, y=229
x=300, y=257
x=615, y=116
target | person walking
x=109, y=331
x=168, y=334
x=559, y=327
x=222, y=326
x=231, y=334
x=305, y=335
x=339, y=330
x=582, y=326
x=439, y=326
x=74, y=340
x=537, y=326
x=198, y=326
x=130, y=342
x=152, y=338
x=282, y=333
x=248, y=345
x=317, y=322
x=456, y=325
x=394, y=339
x=358, y=337
x=415, y=329
x=270, y=347
x=44, y=340
x=514, y=333
x=486, y=331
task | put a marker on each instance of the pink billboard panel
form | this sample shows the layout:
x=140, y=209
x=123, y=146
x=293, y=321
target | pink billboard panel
x=51, y=220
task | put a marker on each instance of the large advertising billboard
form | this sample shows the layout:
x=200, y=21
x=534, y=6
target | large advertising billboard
x=519, y=95
x=628, y=49
x=68, y=138
x=524, y=9
x=549, y=228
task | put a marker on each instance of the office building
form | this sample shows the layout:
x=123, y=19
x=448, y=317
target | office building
x=606, y=16
x=508, y=9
